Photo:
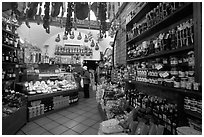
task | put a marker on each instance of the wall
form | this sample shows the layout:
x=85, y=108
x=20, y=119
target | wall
x=38, y=37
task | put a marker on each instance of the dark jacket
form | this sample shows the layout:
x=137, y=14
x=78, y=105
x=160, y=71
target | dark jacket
x=86, y=77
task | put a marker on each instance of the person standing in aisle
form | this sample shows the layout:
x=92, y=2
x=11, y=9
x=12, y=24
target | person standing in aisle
x=86, y=81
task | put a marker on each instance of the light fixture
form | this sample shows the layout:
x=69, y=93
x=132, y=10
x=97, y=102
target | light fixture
x=96, y=47
x=92, y=43
x=57, y=39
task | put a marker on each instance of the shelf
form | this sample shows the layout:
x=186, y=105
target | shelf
x=163, y=53
x=184, y=11
x=194, y=114
x=6, y=46
x=9, y=63
x=70, y=54
x=11, y=33
x=143, y=11
x=41, y=96
x=197, y=93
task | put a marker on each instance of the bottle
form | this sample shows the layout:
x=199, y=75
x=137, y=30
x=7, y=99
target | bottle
x=15, y=59
x=173, y=39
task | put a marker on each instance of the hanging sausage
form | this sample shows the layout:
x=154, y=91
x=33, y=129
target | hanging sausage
x=38, y=14
x=56, y=8
x=82, y=10
x=46, y=18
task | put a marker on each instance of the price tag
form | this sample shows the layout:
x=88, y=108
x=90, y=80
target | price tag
x=158, y=66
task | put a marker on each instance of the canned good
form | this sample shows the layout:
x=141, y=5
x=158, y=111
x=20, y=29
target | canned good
x=181, y=74
x=176, y=84
x=186, y=107
x=188, y=85
x=196, y=86
x=183, y=82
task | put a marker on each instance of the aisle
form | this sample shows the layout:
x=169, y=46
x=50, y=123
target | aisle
x=80, y=119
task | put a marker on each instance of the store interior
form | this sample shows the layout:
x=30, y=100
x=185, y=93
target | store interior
x=143, y=59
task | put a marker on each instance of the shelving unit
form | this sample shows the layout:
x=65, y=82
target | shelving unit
x=13, y=122
x=178, y=90
x=181, y=14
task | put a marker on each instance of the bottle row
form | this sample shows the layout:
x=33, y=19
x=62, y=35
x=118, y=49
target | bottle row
x=9, y=26
x=153, y=17
x=175, y=38
x=73, y=50
x=10, y=40
x=8, y=74
x=10, y=56
x=193, y=104
x=165, y=111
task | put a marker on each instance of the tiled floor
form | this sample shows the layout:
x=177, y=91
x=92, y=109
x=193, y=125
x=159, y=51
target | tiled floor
x=80, y=119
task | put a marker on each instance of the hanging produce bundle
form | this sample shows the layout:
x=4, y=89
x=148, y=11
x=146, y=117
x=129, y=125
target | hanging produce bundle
x=46, y=24
x=68, y=26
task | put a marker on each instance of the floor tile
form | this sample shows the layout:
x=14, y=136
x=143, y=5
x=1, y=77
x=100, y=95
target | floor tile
x=42, y=121
x=80, y=118
x=62, y=120
x=89, y=122
x=70, y=132
x=80, y=111
x=36, y=131
x=20, y=133
x=58, y=130
x=46, y=133
x=87, y=114
x=50, y=125
x=29, y=126
x=90, y=131
x=54, y=116
x=63, y=112
x=96, y=117
x=79, y=128
x=96, y=125
x=71, y=123
x=72, y=115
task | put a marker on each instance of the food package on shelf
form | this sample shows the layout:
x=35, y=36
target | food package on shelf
x=110, y=126
x=187, y=131
x=142, y=129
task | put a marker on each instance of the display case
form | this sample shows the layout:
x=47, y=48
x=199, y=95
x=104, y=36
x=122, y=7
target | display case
x=47, y=95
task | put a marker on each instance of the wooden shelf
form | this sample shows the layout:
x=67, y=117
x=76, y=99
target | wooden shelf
x=143, y=11
x=9, y=47
x=163, y=53
x=9, y=63
x=194, y=114
x=11, y=33
x=197, y=93
x=184, y=11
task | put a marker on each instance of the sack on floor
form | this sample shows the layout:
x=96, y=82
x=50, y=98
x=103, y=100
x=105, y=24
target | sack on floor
x=82, y=83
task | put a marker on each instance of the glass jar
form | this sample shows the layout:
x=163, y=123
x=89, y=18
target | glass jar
x=183, y=82
x=188, y=85
x=177, y=83
x=196, y=86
